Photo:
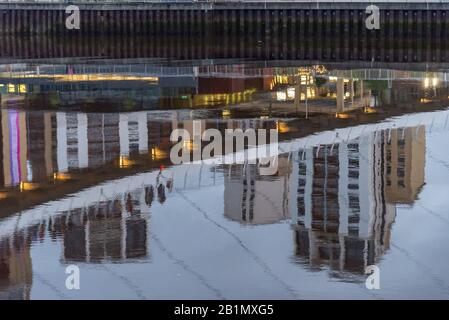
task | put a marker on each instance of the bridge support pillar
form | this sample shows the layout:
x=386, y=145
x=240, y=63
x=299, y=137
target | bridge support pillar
x=340, y=95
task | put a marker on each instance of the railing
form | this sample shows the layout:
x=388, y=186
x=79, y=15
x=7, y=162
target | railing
x=233, y=71
x=388, y=74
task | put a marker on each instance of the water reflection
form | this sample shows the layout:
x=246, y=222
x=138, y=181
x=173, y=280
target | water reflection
x=97, y=189
x=340, y=199
x=131, y=87
x=347, y=196
x=16, y=275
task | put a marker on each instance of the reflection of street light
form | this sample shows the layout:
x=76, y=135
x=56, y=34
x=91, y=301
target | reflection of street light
x=282, y=127
x=281, y=96
x=27, y=186
x=342, y=115
x=125, y=162
x=290, y=93
x=158, y=154
x=61, y=176
x=434, y=82
x=427, y=82
x=369, y=110
x=226, y=113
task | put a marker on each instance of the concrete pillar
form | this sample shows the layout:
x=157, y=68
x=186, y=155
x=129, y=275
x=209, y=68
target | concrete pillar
x=340, y=95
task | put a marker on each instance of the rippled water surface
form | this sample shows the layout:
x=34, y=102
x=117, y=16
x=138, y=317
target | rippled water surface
x=86, y=180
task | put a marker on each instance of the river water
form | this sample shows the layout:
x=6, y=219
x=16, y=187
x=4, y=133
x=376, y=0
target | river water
x=86, y=180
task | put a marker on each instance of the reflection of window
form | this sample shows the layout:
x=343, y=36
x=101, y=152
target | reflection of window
x=353, y=163
x=354, y=219
x=353, y=186
x=354, y=202
x=353, y=174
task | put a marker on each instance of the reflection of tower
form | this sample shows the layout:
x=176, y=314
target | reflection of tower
x=77, y=143
x=103, y=137
x=253, y=199
x=405, y=169
x=90, y=140
x=108, y=230
x=15, y=269
x=343, y=218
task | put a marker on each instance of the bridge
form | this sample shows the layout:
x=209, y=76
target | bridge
x=255, y=18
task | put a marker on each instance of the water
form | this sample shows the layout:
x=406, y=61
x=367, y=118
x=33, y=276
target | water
x=86, y=180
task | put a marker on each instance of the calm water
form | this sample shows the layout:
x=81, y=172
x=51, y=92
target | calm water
x=86, y=180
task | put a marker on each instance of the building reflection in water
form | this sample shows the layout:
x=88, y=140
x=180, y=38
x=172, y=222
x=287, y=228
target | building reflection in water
x=339, y=197
x=111, y=230
x=253, y=199
x=347, y=196
x=131, y=86
x=15, y=267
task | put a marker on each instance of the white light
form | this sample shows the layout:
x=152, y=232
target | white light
x=281, y=96
x=291, y=93
x=434, y=82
